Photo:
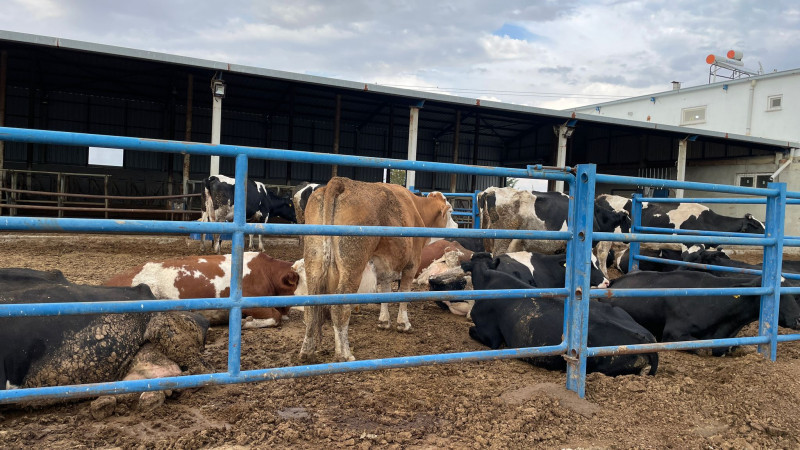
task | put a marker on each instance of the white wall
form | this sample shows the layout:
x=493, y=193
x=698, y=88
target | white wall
x=726, y=109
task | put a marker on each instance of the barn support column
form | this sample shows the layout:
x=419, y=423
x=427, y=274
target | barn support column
x=337, y=127
x=456, y=134
x=564, y=132
x=218, y=93
x=187, y=137
x=681, y=163
x=3, y=71
x=413, y=128
x=475, y=138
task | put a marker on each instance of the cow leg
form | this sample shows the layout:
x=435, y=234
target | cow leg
x=383, y=318
x=260, y=242
x=340, y=316
x=313, y=317
x=601, y=250
x=403, y=325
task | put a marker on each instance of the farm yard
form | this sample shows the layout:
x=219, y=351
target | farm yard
x=693, y=401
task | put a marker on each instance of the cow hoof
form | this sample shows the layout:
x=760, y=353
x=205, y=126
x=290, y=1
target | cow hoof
x=345, y=358
x=384, y=324
x=308, y=358
x=103, y=407
x=404, y=327
x=149, y=401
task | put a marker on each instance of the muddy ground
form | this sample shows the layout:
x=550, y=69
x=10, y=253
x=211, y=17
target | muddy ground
x=693, y=402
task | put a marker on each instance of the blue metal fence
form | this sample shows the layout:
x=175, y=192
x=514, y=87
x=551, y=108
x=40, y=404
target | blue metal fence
x=579, y=237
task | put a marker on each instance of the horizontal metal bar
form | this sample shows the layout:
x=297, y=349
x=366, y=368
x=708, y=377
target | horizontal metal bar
x=680, y=345
x=788, y=337
x=636, y=181
x=794, y=242
x=671, y=238
x=746, y=201
x=153, y=145
x=278, y=373
x=716, y=268
x=682, y=232
x=677, y=292
x=790, y=290
x=117, y=307
x=180, y=227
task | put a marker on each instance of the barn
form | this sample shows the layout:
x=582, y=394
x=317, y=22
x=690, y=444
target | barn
x=64, y=85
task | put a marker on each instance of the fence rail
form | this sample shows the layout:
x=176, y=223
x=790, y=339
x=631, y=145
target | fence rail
x=581, y=181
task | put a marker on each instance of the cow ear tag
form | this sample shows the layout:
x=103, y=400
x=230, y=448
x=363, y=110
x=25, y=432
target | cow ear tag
x=736, y=296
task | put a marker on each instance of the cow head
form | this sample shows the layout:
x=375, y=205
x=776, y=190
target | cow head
x=288, y=283
x=608, y=220
x=282, y=207
x=443, y=217
x=752, y=225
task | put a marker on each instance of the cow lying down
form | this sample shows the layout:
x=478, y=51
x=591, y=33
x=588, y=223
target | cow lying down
x=535, y=269
x=673, y=319
x=210, y=277
x=520, y=323
x=77, y=349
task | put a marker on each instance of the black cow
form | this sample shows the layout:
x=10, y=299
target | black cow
x=261, y=204
x=78, y=349
x=520, y=323
x=508, y=208
x=672, y=318
x=664, y=253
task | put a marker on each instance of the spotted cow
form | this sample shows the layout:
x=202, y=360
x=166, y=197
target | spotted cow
x=210, y=277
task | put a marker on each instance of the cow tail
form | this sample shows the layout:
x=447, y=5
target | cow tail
x=653, y=362
x=332, y=191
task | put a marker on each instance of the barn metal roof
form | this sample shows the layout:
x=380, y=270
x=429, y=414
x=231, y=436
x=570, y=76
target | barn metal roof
x=105, y=70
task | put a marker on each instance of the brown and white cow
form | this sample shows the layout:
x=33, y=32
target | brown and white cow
x=210, y=277
x=334, y=264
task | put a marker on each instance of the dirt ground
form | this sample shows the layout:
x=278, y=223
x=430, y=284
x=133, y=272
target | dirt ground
x=693, y=401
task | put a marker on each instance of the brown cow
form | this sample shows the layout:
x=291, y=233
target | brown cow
x=210, y=277
x=334, y=264
x=437, y=249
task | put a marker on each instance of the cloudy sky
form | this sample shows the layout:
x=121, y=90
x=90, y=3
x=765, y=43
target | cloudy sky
x=551, y=54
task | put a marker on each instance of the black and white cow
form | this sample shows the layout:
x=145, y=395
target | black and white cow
x=672, y=318
x=520, y=323
x=77, y=349
x=663, y=251
x=508, y=208
x=535, y=269
x=686, y=216
x=300, y=198
x=261, y=204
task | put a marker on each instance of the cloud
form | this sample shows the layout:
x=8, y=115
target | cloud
x=544, y=53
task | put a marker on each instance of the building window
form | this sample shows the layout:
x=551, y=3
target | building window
x=774, y=102
x=691, y=116
x=100, y=156
x=758, y=180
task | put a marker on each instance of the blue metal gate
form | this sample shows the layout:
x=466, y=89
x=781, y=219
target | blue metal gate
x=579, y=237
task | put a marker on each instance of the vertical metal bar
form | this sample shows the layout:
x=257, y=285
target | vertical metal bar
x=456, y=135
x=636, y=221
x=237, y=259
x=3, y=73
x=579, y=264
x=475, y=138
x=681, y=176
x=61, y=190
x=771, y=275
x=561, y=154
x=13, y=197
x=187, y=137
x=476, y=211
x=413, y=128
x=336, y=132
x=106, y=200
x=216, y=131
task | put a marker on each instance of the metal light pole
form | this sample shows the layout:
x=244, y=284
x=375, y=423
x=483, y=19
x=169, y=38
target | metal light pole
x=218, y=93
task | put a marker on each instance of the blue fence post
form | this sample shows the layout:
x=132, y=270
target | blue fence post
x=579, y=263
x=636, y=221
x=771, y=271
x=237, y=262
x=476, y=212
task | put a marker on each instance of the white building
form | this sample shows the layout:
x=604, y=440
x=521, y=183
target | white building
x=765, y=106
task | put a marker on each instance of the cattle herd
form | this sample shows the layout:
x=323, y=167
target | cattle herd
x=59, y=350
